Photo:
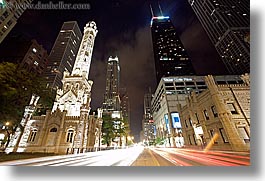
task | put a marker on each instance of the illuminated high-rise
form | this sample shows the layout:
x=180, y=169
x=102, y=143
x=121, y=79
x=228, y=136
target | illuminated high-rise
x=63, y=54
x=111, y=97
x=148, y=126
x=10, y=11
x=27, y=53
x=227, y=24
x=170, y=56
x=125, y=104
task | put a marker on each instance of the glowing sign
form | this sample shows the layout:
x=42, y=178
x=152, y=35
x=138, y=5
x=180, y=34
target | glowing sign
x=161, y=17
x=175, y=120
x=167, y=122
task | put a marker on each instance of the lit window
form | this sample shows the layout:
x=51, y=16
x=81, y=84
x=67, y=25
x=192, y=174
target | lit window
x=244, y=134
x=212, y=135
x=214, y=111
x=190, y=121
x=196, y=115
x=36, y=63
x=223, y=135
x=206, y=115
x=34, y=50
x=232, y=108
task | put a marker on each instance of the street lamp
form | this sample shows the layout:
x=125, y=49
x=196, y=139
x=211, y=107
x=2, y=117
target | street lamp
x=8, y=133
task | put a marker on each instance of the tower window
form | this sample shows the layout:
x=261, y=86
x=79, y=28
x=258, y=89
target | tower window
x=70, y=135
x=206, y=115
x=32, y=135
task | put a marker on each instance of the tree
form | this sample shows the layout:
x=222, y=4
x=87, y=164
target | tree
x=159, y=141
x=107, y=129
x=16, y=88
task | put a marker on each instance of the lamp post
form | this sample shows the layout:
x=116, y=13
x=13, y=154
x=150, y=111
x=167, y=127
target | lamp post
x=8, y=133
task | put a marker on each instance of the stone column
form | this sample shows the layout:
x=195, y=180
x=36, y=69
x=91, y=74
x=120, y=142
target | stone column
x=61, y=129
x=225, y=116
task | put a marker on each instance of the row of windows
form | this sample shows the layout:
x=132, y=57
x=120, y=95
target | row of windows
x=231, y=107
x=69, y=137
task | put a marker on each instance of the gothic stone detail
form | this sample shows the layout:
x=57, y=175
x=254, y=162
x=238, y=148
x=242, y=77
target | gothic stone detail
x=68, y=128
x=58, y=133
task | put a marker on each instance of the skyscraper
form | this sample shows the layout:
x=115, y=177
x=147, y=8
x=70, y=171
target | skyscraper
x=227, y=24
x=111, y=96
x=63, y=54
x=27, y=53
x=147, y=122
x=75, y=95
x=170, y=56
x=125, y=104
x=10, y=11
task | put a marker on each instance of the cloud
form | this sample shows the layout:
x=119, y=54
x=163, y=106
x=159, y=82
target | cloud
x=134, y=49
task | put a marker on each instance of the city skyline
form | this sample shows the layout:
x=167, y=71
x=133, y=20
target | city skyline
x=124, y=30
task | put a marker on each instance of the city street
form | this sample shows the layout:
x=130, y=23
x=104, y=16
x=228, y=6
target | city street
x=140, y=156
x=189, y=157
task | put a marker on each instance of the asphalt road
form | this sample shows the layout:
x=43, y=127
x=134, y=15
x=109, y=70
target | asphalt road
x=140, y=156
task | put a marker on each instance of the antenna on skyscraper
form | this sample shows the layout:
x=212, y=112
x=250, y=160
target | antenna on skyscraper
x=151, y=10
x=160, y=9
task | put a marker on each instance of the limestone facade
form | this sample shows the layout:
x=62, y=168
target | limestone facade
x=221, y=109
x=57, y=133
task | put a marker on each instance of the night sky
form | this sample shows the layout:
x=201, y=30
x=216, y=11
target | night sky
x=124, y=30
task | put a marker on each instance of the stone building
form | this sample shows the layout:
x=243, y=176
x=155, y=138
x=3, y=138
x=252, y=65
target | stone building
x=56, y=132
x=222, y=109
x=69, y=127
x=171, y=95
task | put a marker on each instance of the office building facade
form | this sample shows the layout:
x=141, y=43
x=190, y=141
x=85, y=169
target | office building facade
x=170, y=56
x=28, y=54
x=171, y=95
x=112, y=100
x=227, y=24
x=10, y=11
x=148, y=122
x=63, y=54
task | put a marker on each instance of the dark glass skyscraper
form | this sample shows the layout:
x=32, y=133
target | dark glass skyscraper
x=111, y=97
x=170, y=56
x=227, y=25
x=63, y=54
x=148, y=122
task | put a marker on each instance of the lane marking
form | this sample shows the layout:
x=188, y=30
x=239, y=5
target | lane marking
x=153, y=157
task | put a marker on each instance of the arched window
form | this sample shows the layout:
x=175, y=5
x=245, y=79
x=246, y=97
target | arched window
x=53, y=130
x=70, y=135
x=32, y=135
